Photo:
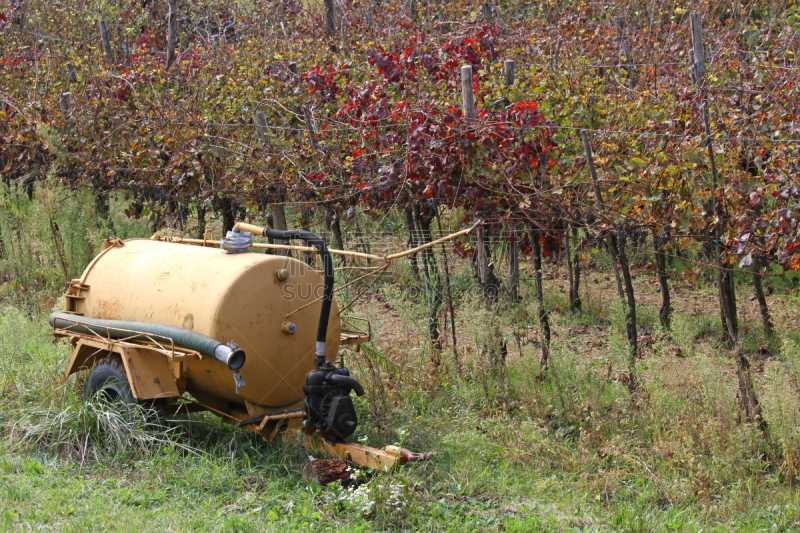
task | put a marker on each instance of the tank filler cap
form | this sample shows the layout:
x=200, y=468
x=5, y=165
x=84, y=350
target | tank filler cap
x=236, y=241
x=289, y=327
x=281, y=274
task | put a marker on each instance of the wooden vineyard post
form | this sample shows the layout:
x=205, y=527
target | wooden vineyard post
x=467, y=98
x=330, y=18
x=71, y=76
x=106, y=41
x=279, y=222
x=699, y=64
x=260, y=120
x=372, y=11
x=611, y=240
x=58, y=247
x=623, y=45
x=513, y=229
x=620, y=263
x=468, y=108
x=724, y=276
x=508, y=71
x=748, y=399
x=277, y=210
x=487, y=12
x=305, y=212
x=486, y=276
x=172, y=36
x=65, y=101
x=488, y=18
x=699, y=68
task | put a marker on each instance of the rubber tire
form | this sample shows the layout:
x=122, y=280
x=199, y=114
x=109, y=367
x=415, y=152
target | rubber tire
x=108, y=376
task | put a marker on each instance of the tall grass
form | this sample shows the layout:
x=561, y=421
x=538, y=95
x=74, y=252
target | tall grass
x=92, y=431
x=49, y=237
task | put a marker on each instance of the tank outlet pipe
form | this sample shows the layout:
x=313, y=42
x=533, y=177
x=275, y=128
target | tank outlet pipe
x=230, y=354
x=327, y=266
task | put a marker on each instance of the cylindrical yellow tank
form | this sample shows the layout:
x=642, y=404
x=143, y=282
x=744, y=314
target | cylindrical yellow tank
x=227, y=297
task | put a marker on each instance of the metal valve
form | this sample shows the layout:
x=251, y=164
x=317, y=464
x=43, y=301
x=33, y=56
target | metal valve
x=237, y=378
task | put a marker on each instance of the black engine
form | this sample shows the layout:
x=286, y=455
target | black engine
x=328, y=403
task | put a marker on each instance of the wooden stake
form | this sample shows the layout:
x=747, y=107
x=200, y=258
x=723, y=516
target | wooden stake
x=172, y=36
x=487, y=13
x=330, y=18
x=106, y=40
x=619, y=262
x=260, y=120
x=508, y=70
x=467, y=98
x=697, y=46
x=277, y=209
x=611, y=241
x=66, y=105
x=623, y=44
x=513, y=242
x=279, y=222
x=725, y=279
x=748, y=397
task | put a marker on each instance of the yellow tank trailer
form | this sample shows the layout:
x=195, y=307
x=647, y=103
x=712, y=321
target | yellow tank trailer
x=249, y=336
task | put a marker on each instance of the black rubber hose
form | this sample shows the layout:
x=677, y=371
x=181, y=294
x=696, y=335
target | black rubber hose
x=121, y=329
x=348, y=382
x=327, y=295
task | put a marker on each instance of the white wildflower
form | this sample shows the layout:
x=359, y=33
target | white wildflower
x=359, y=500
x=396, y=495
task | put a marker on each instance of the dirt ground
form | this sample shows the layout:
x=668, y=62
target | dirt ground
x=401, y=325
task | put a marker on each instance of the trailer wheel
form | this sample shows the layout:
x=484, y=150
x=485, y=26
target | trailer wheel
x=108, y=379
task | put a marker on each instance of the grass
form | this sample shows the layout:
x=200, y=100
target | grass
x=519, y=450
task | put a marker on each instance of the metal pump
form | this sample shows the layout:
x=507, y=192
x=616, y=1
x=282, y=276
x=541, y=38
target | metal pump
x=328, y=403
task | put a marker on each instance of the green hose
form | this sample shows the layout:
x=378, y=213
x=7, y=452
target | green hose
x=233, y=356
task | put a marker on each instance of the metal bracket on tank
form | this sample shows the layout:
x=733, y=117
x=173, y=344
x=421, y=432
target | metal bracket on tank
x=237, y=378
